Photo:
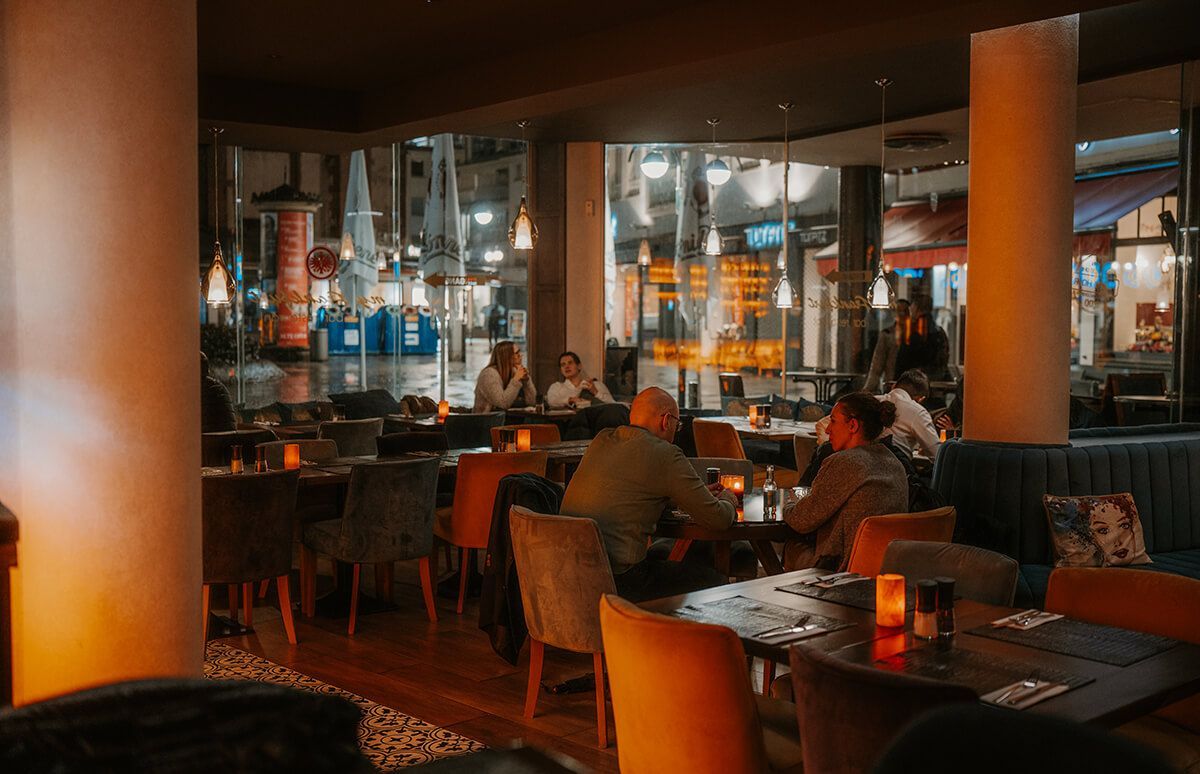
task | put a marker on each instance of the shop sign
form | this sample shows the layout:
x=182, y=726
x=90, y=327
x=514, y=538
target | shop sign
x=769, y=234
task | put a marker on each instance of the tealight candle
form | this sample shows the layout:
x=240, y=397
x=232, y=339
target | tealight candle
x=889, y=600
x=523, y=440
x=443, y=410
x=291, y=456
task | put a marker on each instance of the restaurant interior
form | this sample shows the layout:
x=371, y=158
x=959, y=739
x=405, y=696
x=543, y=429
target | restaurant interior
x=585, y=388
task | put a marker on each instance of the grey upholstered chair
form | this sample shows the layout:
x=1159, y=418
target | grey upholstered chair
x=215, y=447
x=311, y=450
x=354, y=437
x=729, y=467
x=564, y=571
x=980, y=575
x=848, y=713
x=247, y=527
x=388, y=517
x=466, y=431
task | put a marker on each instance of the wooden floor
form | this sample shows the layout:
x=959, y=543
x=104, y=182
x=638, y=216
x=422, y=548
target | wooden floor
x=444, y=673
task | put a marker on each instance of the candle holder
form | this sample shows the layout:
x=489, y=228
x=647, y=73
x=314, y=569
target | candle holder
x=524, y=440
x=736, y=484
x=291, y=456
x=889, y=600
x=443, y=411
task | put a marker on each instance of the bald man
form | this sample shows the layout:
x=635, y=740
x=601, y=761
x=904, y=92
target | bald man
x=628, y=478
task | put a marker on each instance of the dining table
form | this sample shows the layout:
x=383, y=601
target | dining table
x=780, y=430
x=1107, y=687
x=750, y=525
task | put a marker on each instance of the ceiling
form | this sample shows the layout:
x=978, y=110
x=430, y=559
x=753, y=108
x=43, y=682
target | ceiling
x=292, y=75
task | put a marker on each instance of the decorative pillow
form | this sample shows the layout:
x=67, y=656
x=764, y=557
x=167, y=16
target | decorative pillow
x=1095, y=530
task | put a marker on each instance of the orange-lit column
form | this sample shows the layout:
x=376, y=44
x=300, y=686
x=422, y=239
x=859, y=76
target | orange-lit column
x=1023, y=93
x=98, y=360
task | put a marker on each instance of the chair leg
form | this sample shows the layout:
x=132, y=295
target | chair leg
x=384, y=580
x=248, y=603
x=204, y=595
x=354, y=597
x=768, y=676
x=427, y=585
x=449, y=557
x=601, y=710
x=285, y=607
x=233, y=601
x=308, y=581
x=537, y=650
x=679, y=549
x=262, y=588
x=463, y=569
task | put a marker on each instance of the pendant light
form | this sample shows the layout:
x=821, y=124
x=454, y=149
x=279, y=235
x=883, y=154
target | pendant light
x=523, y=233
x=654, y=164
x=717, y=172
x=712, y=238
x=785, y=295
x=880, y=294
x=217, y=285
x=644, y=255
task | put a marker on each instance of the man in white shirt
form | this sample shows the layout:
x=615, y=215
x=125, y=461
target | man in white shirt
x=576, y=389
x=913, y=428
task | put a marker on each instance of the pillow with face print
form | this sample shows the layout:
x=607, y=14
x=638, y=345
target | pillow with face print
x=1095, y=531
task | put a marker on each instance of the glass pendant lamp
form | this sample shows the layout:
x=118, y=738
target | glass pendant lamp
x=785, y=295
x=654, y=164
x=716, y=172
x=881, y=293
x=644, y=255
x=217, y=286
x=523, y=233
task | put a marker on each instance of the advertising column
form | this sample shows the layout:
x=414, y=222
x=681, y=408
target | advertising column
x=292, y=213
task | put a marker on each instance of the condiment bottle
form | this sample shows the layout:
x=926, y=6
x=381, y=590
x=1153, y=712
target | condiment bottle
x=235, y=463
x=770, y=496
x=925, y=623
x=260, y=460
x=945, y=607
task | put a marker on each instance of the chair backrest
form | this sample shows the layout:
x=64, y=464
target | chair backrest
x=311, y=450
x=389, y=510
x=728, y=466
x=874, y=533
x=731, y=385
x=215, y=447
x=354, y=437
x=1152, y=383
x=564, y=571
x=981, y=575
x=466, y=431
x=247, y=525
x=849, y=713
x=538, y=434
x=475, y=492
x=704, y=719
x=805, y=447
x=396, y=444
x=717, y=439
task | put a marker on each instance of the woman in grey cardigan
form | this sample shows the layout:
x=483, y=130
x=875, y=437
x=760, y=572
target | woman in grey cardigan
x=504, y=381
x=861, y=478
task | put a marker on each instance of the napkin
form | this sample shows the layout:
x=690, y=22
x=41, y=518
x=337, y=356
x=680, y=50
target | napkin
x=1024, y=697
x=1039, y=617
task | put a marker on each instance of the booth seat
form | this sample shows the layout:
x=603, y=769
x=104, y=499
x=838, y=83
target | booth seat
x=998, y=488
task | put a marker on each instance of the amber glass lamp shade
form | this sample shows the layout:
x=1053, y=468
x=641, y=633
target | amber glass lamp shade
x=218, y=286
x=889, y=600
x=523, y=233
x=291, y=456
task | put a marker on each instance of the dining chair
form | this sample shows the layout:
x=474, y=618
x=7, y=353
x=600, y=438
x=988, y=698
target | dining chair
x=215, y=447
x=467, y=431
x=805, y=446
x=538, y=434
x=1152, y=383
x=247, y=537
x=563, y=571
x=1159, y=603
x=398, y=444
x=980, y=575
x=311, y=450
x=717, y=439
x=874, y=533
x=848, y=713
x=708, y=719
x=467, y=524
x=731, y=384
x=354, y=437
x=388, y=517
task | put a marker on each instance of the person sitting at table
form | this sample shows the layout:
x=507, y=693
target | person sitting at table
x=913, y=429
x=628, y=478
x=883, y=359
x=575, y=386
x=861, y=478
x=504, y=382
x=216, y=406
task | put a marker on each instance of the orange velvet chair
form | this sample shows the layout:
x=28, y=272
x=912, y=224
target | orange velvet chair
x=467, y=523
x=874, y=533
x=708, y=719
x=717, y=439
x=1146, y=601
x=538, y=434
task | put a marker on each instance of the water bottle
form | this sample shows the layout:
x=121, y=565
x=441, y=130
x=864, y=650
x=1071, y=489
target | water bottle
x=770, y=496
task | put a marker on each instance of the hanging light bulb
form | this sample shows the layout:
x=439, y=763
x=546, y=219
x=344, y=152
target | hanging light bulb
x=217, y=286
x=523, y=233
x=717, y=172
x=644, y=255
x=654, y=164
x=712, y=240
x=347, y=248
x=785, y=295
x=881, y=291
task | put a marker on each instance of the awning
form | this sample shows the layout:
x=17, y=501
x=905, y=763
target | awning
x=916, y=237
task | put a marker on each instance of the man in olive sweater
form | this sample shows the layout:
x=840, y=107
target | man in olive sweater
x=628, y=478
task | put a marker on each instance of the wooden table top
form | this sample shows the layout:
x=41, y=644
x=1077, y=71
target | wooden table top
x=780, y=429
x=749, y=526
x=1116, y=695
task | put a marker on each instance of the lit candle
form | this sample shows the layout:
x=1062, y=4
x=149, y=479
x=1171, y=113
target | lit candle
x=291, y=456
x=443, y=410
x=523, y=440
x=754, y=416
x=889, y=600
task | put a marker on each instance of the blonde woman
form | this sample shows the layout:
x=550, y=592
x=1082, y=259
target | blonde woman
x=504, y=382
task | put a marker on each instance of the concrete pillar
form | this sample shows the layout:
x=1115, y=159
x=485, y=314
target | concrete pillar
x=99, y=390
x=585, y=254
x=858, y=230
x=547, y=262
x=1023, y=95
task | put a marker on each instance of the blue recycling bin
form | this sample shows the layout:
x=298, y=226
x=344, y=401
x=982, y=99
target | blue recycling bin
x=417, y=334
